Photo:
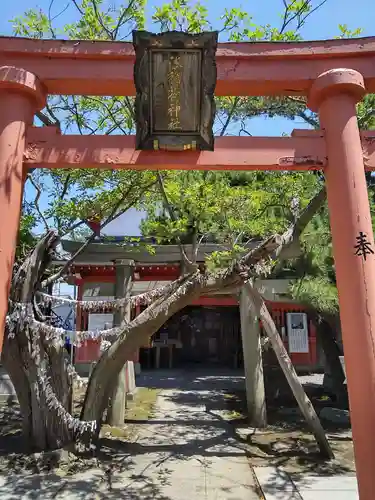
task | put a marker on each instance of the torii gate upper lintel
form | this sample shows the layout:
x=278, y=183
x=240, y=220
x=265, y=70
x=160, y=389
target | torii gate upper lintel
x=333, y=74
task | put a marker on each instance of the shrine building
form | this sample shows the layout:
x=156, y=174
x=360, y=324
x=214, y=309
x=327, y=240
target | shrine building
x=207, y=332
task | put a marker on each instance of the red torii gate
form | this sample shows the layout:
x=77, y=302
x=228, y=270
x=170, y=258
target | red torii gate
x=334, y=74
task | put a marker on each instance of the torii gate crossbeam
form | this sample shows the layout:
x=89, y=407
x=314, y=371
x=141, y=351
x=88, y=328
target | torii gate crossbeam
x=305, y=150
x=333, y=74
x=244, y=69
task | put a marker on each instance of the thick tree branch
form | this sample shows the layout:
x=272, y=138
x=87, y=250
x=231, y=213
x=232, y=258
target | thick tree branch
x=130, y=107
x=44, y=119
x=180, y=294
x=134, y=334
x=302, y=112
x=308, y=213
x=197, y=243
x=292, y=235
x=275, y=245
x=308, y=119
x=57, y=122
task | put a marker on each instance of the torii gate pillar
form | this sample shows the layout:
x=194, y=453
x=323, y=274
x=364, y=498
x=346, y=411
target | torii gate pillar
x=335, y=94
x=21, y=95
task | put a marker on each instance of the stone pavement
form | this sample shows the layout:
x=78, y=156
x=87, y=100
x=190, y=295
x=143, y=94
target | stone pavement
x=278, y=485
x=187, y=451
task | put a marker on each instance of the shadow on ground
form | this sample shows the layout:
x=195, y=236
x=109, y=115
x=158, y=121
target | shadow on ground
x=208, y=414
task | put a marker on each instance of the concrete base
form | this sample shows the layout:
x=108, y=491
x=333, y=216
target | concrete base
x=130, y=377
x=116, y=411
x=130, y=395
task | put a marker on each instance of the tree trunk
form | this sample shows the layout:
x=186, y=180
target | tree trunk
x=135, y=334
x=259, y=308
x=37, y=366
x=36, y=373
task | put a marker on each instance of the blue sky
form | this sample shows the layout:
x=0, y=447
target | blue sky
x=323, y=24
x=360, y=13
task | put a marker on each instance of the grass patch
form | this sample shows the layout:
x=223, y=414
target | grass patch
x=139, y=409
x=142, y=406
x=116, y=432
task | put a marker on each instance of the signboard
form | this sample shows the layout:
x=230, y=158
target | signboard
x=98, y=321
x=175, y=79
x=298, y=335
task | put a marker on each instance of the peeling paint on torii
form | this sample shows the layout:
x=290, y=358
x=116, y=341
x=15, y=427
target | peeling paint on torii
x=333, y=74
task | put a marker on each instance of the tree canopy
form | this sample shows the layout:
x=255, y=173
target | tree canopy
x=229, y=208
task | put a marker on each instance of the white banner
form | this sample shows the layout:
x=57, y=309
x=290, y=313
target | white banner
x=298, y=335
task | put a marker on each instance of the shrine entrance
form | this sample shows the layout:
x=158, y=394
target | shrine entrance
x=197, y=336
x=333, y=75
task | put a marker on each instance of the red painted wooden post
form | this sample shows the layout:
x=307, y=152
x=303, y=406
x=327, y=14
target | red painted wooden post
x=21, y=94
x=335, y=94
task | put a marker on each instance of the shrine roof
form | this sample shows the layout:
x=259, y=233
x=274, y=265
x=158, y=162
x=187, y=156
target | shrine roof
x=105, y=253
